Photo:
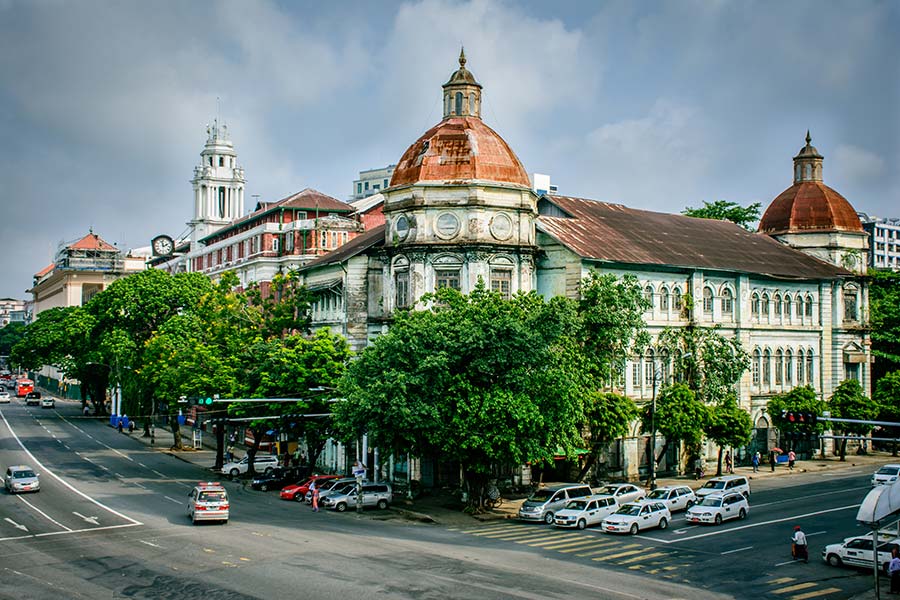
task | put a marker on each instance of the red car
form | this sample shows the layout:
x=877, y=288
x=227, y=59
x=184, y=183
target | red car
x=298, y=490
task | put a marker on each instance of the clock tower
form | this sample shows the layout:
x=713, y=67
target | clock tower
x=218, y=185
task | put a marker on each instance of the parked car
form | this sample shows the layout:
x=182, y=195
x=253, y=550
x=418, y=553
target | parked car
x=32, y=398
x=298, y=491
x=544, y=502
x=587, y=511
x=675, y=497
x=857, y=551
x=21, y=478
x=635, y=517
x=48, y=402
x=726, y=483
x=623, y=492
x=278, y=478
x=886, y=474
x=330, y=487
x=4, y=397
x=263, y=463
x=373, y=494
x=715, y=508
x=208, y=502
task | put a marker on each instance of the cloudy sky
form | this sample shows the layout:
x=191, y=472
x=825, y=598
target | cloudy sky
x=657, y=105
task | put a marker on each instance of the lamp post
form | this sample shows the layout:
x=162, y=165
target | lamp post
x=651, y=480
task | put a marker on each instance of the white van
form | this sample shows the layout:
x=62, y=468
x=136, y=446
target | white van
x=263, y=463
x=725, y=484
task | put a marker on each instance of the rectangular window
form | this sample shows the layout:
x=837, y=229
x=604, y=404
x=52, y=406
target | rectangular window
x=648, y=371
x=500, y=282
x=809, y=368
x=756, y=370
x=401, y=284
x=446, y=278
x=275, y=244
x=636, y=374
x=324, y=241
x=367, y=186
x=289, y=242
x=334, y=239
x=359, y=188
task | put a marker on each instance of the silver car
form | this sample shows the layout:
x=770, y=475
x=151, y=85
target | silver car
x=21, y=478
x=373, y=494
x=4, y=396
x=544, y=502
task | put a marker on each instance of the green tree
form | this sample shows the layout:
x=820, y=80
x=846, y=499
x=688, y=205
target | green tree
x=10, y=336
x=801, y=399
x=849, y=402
x=887, y=396
x=708, y=362
x=680, y=417
x=284, y=309
x=729, y=425
x=475, y=379
x=884, y=317
x=608, y=417
x=723, y=210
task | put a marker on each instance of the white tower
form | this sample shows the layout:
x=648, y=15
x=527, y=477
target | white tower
x=218, y=186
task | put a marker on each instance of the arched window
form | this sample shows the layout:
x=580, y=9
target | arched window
x=754, y=305
x=727, y=304
x=707, y=301
x=779, y=367
x=767, y=368
x=801, y=362
x=808, y=170
x=648, y=367
x=472, y=110
x=788, y=367
x=665, y=366
x=809, y=307
x=677, y=295
x=799, y=307
x=778, y=306
x=764, y=306
x=221, y=161
x=757, y=359
x=664, y=299
x=851, y=303
x=459, y=100
x=809, y=366
x=648, y=296
x=788, y=307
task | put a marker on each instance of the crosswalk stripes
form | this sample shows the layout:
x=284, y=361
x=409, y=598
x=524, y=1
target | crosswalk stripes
x=605, y=548
x=807, y=590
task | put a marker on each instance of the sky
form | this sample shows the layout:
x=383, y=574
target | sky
x=656, y=105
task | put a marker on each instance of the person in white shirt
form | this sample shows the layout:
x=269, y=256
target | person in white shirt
x=799, y=545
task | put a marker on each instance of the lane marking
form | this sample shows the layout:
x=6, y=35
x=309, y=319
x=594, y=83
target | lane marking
x=780, y=580
x=158, y=473
x=856, y=489
x=71, y=531
x=736, y=550
x=794, y=588
x=16, y=525
x=63, y=481
x=569, y=544
x=150, y=543
x=618, y=555
x=43, y=514
x=640, y=558
x=172, y=500
x=139, y=485
x=606, y=549
x=787, y=562
x=91, y=520
x=579, y=549
x=816, y=594
x=720, y=532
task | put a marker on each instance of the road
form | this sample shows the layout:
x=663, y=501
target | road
x=110, y=522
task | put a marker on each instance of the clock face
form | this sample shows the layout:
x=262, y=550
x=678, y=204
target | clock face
x=163, y=245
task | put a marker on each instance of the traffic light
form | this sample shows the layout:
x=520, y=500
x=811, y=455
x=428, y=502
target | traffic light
x=791, y=417
x=813, y=419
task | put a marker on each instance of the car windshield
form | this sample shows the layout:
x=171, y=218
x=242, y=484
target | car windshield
x=213, y=496
x=611, y=490
x=23, y=474
x=887, y=471
x=629, y=509
x=541, y=496
x=715, y=485
x=347, y=488
x=658, y=494
x=328, y=484
x=576, y=505
x=711, y=502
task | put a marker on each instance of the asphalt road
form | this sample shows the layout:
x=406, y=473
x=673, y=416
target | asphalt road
x=111, y=521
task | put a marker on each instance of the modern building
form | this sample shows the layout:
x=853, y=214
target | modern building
x=541, y=185
x=12, y=311
x=460, y=209
x=884, y=241
x=372, y=182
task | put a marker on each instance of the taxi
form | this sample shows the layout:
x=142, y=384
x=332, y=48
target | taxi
x=208, y=501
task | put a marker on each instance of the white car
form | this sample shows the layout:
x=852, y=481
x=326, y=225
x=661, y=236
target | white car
x=48, y=402
x=724, y=485
x=675, y=497
x=623, y=492
x=262, y=463
x=857, y=551
x=886, y=474
x=716, y=508
x=632, y=518
x=208, y=501
x=587, y=511
x=4, y=397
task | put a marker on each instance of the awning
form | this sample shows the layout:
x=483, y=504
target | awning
x=560, y=455
x=882, y=502
x=319, y=286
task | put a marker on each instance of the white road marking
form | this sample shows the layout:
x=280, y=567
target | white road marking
x=868, y=487
x=721, y=531
x=142, y=465
x=736, y=550
x=158, y=473
x=16, y=525
x=43, y=514
x=140, y=486
x=172, y=500
x=63, y=481
x=150, y=543
x=119, y=475
x=816, y=533
x=51, y=533
x=787, y=562
x=91, y=520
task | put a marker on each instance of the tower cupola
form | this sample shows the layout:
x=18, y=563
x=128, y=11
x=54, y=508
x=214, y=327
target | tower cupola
x=808, y=163
x=462, y=93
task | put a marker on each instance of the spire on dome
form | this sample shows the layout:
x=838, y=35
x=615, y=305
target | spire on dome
x=462, y=93
x=808, y=137
x=462, y=57
x=808, y=162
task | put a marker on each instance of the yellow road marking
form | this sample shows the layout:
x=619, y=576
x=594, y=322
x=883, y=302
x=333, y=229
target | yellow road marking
x=566, y=544
x=794, y=588
x=780, y=580
x=551, y=541
x=503, y=531
x=816, y=594
x=619, y=555
x=596, y=544
x=525, y=539
x=604, y=550
x=639, y=558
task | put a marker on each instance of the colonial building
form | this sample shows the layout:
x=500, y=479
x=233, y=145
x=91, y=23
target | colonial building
x=460, y=208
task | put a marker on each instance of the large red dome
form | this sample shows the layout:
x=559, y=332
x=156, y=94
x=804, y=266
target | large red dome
x=460, y=149
x=809, y=206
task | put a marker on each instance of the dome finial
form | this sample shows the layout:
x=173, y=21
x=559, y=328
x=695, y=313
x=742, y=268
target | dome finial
x=462, y=57
x=808, y=137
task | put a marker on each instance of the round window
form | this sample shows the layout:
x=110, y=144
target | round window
x=447, y=225
x=501, y=226
x=402, y=227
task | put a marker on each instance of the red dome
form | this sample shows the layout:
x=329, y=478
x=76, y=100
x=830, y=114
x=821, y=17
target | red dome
x=459, y=149
x=809, y=206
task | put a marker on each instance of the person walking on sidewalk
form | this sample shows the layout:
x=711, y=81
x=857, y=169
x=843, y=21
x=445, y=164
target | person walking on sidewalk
x=799, y=547
x=791, y=458
x=754, y=460
x=894, y=570
x=729, y=465
x=315, y=496
x=772, y=460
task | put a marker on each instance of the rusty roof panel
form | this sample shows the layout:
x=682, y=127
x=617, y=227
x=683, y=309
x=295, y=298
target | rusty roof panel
x=809, y=206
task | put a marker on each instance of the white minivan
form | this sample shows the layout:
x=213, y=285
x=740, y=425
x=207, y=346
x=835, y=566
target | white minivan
x=263, y=463
x=587, y=511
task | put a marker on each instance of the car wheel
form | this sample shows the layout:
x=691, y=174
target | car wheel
x=299, y=497
x=581, y=524
x=548, y=518
x=341, y=507
x=268, y=470
x=382, y=504
x=234, y=473
x=834, y=560
x=742, y=515
x=718, y=519
x=634, y=529
x=264, y=487
x=690, y=503
x=663, y=523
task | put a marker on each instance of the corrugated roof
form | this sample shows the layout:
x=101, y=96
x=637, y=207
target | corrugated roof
x=373, y=237
x=809, y=206
x=45, y=270
x=615, y=233
x=91, y=241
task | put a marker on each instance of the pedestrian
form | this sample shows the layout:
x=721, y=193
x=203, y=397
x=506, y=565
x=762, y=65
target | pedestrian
x=86, y=410
x=754, y=460
x=698, y=468
x=152, y=434
x=894, y=570
x=120, y=426
x=798, y=545
x=772, y=460
x=315, y=496
x=729, y=466
x=791, y=458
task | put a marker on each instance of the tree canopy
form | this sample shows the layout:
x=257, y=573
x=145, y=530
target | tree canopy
x=849, y=402
x=729, y=425
x=723, y=210
x=884, y=316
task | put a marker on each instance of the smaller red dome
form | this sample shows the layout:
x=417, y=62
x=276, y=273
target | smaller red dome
x=459, y=149
x=809, y=206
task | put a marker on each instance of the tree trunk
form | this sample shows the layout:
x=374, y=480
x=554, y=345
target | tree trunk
x=177, y=444
x=844, y=449
x=220, y=446
x=589, y=462
x=251, y=453
x=719, y=465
